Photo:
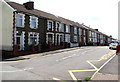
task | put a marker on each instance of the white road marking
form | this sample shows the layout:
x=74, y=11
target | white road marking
x=66, y=57
x=17, y=70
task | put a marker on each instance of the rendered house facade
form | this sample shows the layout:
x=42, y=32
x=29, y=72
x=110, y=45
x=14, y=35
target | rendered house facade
x=32, y=31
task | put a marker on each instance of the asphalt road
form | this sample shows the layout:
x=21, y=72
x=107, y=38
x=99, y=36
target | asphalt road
x=68, y=65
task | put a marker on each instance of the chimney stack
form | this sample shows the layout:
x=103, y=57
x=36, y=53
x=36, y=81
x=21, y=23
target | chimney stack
x=29, y=5
x=96, y=29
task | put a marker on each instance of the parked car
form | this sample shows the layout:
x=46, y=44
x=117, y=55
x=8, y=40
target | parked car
x=113, y=44
x=118, y=50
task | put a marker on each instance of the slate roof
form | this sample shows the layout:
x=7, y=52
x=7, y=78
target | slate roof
x=20, y=7
x=39, y=13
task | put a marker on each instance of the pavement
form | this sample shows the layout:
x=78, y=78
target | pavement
x=110, y=71
x=30, y=56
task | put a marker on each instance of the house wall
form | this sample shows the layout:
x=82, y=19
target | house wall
x=42, y=24
x=6, y=26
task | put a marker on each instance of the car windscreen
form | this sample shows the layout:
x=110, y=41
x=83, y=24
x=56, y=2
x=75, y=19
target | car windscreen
x=115, y=42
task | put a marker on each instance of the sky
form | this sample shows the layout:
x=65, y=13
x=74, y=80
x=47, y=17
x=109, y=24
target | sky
x=98, y=14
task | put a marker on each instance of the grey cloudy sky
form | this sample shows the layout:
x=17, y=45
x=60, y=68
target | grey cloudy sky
x=101, y=14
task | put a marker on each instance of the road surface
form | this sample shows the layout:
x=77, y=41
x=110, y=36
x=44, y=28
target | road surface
x=69, y=65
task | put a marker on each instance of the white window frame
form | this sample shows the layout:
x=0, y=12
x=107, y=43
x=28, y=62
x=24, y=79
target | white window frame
x=67, y=38
x=47, y=37
x=57, y=28
x=62, y=38
x=84, y=32
x=57, y=34
x=33, y=35
x=35, y=22
x=80, y=31
x=75, y=30
x=22, y=39
x=93, y=34
x=48, y=25
x=75, y=38
x=89, y=33
x=23, y=19
x=67, y=28
x=62, y=27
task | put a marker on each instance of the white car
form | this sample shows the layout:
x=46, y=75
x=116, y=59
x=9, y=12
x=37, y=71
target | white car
x=113, y=44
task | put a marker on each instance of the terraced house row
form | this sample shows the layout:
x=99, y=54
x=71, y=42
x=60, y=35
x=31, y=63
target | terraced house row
x=26, y=30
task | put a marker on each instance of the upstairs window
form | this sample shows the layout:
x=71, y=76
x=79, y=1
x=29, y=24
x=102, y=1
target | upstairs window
x=95, y=34
x=20, y=20
x=50, y=25
x=84, y=32
x=57, y=26
x=62, y=28
x=80, y=31
x=33, y=22
x=90, y=33
x=67, y=28
x=75, y=30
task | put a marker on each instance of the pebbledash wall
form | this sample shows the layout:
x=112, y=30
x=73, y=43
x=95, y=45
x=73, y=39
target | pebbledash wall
x=40, y=31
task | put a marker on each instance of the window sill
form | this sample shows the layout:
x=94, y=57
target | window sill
x=33, y=28
x=20, y=26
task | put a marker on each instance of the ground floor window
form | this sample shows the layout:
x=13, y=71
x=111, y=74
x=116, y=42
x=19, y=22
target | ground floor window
x=59, y=38
x=75, y=39
x=67, y=38
x=62, y=38
x=90, y=40
x=33, y=38
x=50, y=37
